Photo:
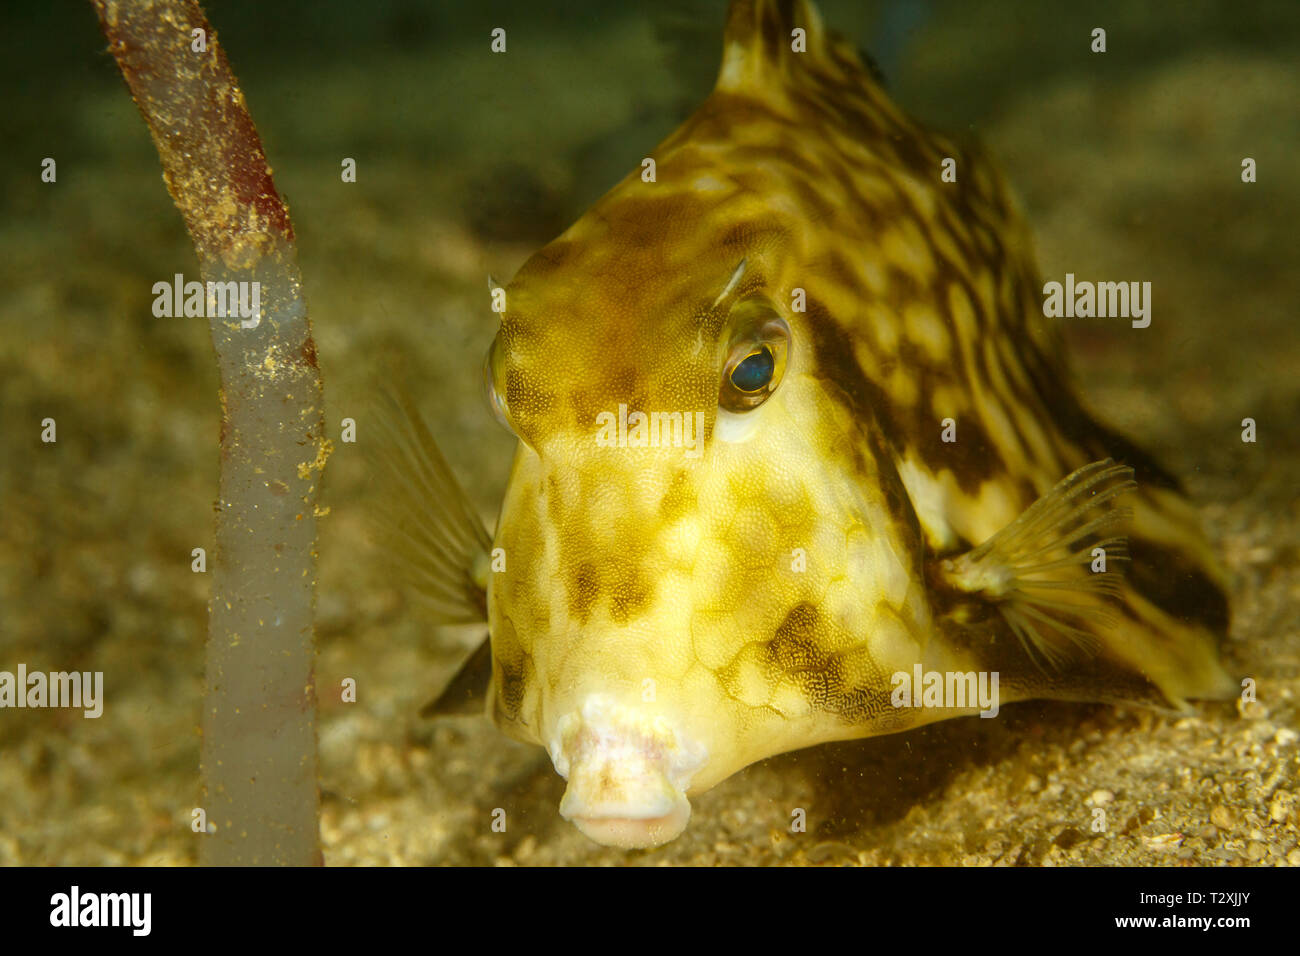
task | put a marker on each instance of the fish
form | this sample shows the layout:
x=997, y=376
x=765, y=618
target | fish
x=794, y=432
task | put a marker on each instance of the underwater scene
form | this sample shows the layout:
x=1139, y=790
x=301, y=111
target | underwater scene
x=751, y=433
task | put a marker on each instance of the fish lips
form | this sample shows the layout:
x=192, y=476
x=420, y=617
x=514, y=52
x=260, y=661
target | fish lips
x=628, y=773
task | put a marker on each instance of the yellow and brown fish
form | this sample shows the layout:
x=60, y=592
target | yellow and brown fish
x=792, y=429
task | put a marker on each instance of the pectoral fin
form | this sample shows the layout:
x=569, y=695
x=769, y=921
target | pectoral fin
x=427, y=524
x=1053, y=572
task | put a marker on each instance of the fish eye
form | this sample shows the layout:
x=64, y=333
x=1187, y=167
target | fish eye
x=496, y=400
x=756, y=359
x=754, y=372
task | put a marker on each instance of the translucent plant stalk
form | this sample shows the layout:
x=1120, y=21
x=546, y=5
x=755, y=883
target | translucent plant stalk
x=258, y=756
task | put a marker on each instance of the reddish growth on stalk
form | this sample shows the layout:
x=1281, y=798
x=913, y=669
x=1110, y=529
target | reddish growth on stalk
x=259, y=713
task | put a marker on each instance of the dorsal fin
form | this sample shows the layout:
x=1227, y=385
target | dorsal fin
x=757, y=41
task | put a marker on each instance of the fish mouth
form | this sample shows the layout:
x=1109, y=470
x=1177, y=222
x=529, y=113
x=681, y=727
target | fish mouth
x=633, y=833
x=628, y=774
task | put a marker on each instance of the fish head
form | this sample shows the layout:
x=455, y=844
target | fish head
x=706, y=557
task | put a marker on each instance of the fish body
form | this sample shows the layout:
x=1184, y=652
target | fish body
x=792, y=423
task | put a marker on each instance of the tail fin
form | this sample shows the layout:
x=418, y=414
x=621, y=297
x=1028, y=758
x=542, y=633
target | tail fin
x=1175, y=591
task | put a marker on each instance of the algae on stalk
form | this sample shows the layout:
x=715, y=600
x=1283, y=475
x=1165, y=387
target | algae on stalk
x=261, y=794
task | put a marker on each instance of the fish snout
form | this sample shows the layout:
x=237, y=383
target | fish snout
x=628, y=774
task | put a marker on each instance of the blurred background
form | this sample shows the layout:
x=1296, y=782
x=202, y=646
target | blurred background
x=1128, y=166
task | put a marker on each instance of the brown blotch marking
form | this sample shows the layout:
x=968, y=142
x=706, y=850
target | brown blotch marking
x=626, y=380
x=793, y=649
x=913, y=358
x=837, y=363
x=773, y=32
x=868, y=403
x=625, y=384
x=724, y=113
x=1177, y=585
x=857, y=704
x=584, y=587
x=825, y=686
x=913, y=156
x=983, y=373
x=826, y=107
x=585, y=406
x=511, y=679
x=638, y=216
x=973, y=459
x=630, y=594
x=525, y=400
x=874, y=214
x=843, y=274
x=904, y=289
x=895, y=498
x=958, y=231
x=750, y=236
x=555, y=253
x=764, y=156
